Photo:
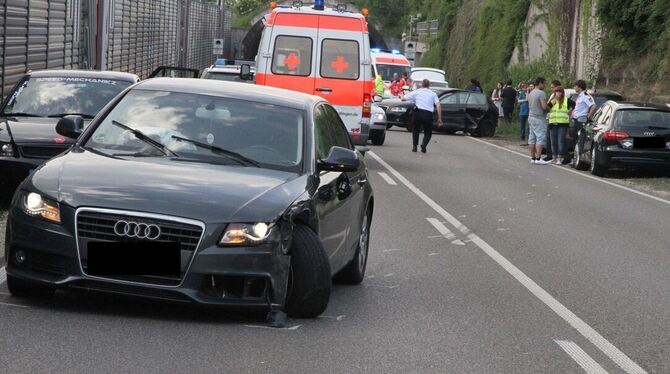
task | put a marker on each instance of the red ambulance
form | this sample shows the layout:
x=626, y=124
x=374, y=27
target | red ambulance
x=324, y=52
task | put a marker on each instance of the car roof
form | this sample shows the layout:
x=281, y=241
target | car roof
x=325, y=12
x=236, y=90
x=638, y=106
x=224, y=69
x=604, y=93
x=114, y=75
x=429, y=69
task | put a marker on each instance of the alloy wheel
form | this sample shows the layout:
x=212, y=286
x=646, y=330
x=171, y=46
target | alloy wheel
x=363, y=242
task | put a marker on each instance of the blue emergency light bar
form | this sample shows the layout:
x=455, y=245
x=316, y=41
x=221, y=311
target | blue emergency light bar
x=319, y=4
x=395, y=52
x=221, y=62
x=375, y=50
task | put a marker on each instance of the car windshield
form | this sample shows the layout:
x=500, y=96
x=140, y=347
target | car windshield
x=203, y=128
x=642, y=119
x=232, y=77
x=433, y=76
x=387, y=71
x=59, y=96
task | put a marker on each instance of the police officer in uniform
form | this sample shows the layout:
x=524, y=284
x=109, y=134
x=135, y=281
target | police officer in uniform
x=427, y=103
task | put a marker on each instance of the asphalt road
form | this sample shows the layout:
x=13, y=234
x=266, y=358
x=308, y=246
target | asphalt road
x=479, y=263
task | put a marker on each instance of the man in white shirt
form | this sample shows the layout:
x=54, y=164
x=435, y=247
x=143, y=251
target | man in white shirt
x=427, y=103
x=585, y=108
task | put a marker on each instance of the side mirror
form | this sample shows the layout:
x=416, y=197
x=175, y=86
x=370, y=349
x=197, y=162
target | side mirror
x=245, y=72
x=363, y=149
x=339, y=159
x=70, y=126
x=377, y=99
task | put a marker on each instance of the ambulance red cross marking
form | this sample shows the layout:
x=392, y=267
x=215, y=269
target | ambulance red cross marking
x=339, y=64
x=292, y=61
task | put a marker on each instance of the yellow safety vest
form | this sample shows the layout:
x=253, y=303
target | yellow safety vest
x=559, y=115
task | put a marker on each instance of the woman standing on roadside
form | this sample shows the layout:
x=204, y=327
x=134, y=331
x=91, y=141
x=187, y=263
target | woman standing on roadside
x=559, y=121
x=497, y=100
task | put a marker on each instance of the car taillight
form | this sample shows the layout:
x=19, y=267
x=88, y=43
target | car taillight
x=367, y=106
x=615, y=135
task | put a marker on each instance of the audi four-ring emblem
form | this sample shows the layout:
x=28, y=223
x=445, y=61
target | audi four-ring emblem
x=136, y=230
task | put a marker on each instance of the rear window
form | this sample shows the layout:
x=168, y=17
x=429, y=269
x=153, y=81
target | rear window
x=642, y=118
x=292, y=56
x=340, y=59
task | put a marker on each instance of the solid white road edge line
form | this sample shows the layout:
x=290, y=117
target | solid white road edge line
x=388, y=179
x=577, y=323
x=582, y=358
x=3, y=275
x=439, y=226
x=14, y=305
x=570, y=170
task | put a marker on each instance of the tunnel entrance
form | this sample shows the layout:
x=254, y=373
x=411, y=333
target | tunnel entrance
x=252, y=39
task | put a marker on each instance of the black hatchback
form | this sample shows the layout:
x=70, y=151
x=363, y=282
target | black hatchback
x=196, y=190
x=625, y=136
x=29, y=115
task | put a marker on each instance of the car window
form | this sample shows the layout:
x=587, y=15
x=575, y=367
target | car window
x=454, y=98
x=340, y=59
x=339, y=131
x=322, y=135
x=292, y=56
x=596, y=115
x=476, y=99
x=54, y=96
x=605, y=115
x=271, y=135
x=642, y=118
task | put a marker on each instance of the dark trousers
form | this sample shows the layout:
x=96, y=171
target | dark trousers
x=523, y=127
x=422, y=119
x=507, y=113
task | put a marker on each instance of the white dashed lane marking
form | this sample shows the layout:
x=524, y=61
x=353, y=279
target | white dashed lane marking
x=581, y=358
x=388, y=179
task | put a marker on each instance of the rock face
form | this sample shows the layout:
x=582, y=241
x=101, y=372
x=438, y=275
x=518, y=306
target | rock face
x=566, y=33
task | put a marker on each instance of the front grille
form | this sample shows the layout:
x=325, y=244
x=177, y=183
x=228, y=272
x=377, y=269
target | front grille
x=44, y=152
x=97, y=226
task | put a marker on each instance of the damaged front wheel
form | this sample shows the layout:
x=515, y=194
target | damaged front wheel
x=310, y=278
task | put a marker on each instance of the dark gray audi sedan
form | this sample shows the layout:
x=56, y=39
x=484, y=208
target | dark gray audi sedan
x=197, y=191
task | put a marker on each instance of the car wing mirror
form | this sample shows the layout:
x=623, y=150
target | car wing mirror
x=339, y=159
x=70, y=126
x=363, y=149
x=245, y=72
x=377, y=99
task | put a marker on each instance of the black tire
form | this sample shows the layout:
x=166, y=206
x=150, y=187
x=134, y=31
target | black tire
x=577, y=160
x=377, y=137
x=354, y=272
x=310, y=279
x=596, y=168
x=25, y=289
x=449, y=132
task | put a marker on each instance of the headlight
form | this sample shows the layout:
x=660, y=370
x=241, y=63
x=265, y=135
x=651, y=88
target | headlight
x=6, y=150
x=398, y=109
x=241, y=234
x=380, y=117
x=35, y=205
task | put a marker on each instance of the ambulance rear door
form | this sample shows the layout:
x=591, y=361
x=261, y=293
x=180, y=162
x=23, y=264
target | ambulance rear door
x=291, y=54
x=341, y=73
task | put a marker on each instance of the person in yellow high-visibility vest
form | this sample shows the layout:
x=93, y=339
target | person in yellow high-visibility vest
x=559, y=121
x=379, y=85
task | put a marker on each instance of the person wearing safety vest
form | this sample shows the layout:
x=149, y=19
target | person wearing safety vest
x=559, y=121
x=379, y=85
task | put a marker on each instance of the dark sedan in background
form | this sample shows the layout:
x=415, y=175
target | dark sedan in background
x=200, y=191
x=29, y=115
x=625, y=136
x=465, y=111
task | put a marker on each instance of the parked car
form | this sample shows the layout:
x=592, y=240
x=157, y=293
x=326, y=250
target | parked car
x=465, y=111
x=625, y=136
x=227, y=70
x=254, y=197
x=378, y=125
x=29, y=115
x=437, y=77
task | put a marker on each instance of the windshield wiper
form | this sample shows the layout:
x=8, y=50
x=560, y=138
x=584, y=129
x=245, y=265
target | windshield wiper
x=218, y=150
x=83, y=115
x=21, y=114
x=145, y=138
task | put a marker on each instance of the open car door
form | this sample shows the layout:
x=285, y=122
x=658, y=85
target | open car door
x=175, y=72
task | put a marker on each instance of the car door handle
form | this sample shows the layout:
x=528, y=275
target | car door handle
x=362, y=181
x=324, y=89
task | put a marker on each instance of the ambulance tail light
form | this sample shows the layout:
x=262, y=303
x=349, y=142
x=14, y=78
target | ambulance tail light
x=367, y=106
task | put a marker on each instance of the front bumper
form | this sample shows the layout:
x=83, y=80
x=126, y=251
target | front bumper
x=234, y=277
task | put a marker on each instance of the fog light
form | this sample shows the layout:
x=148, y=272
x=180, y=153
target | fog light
x=20, y=257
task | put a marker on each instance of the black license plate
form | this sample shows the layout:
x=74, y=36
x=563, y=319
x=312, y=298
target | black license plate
x=134, y=258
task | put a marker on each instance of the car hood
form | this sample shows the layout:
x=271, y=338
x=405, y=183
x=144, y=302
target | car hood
x=210, y=193
x=34, y=130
